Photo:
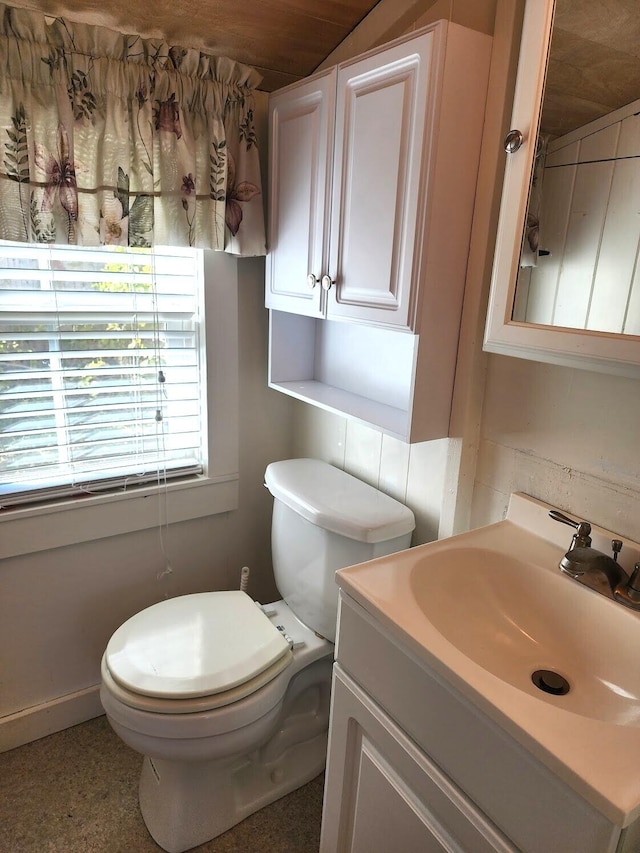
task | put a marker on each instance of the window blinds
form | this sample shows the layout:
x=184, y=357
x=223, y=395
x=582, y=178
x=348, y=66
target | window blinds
x=100, y=382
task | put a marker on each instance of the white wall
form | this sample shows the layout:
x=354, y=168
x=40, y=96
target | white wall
x=568, y=437
x=58, y=608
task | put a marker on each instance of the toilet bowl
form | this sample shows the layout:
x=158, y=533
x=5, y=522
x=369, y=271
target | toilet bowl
x=212, y=760
x=227, y=700
x=212, y=725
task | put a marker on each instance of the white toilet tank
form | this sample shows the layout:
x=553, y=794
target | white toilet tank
x=325, y=519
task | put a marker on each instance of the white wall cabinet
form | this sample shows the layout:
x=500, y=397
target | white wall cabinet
x=349, y=143
x=415, y=766
x=373, y=169
x=301, y=120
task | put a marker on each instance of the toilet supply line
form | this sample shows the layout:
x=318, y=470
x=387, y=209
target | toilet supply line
x=244, y=578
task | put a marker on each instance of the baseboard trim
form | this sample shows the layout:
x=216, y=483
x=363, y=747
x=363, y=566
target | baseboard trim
x=49, y=717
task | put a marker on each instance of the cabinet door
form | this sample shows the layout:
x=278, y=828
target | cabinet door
x=382, y=793
x=301, y=120
x=379, y=181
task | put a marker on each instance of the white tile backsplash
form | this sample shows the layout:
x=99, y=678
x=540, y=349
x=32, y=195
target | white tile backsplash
x=412, y=473
x=319, y=434
x=363, y=452
x=394, y=468
x=425, y=484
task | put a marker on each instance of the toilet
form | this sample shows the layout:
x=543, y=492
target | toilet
x=228, y=700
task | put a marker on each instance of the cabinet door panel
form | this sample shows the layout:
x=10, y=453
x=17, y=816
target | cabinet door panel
x=385, y=814
x=301, y=137
x=382, y=793
x=380, y=123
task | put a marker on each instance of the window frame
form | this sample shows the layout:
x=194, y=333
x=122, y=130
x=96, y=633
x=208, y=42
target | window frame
x=31, y=528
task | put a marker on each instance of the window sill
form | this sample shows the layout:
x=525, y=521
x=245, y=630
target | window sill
x=26, y=530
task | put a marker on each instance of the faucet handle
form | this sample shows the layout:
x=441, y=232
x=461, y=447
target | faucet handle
x=629, y=593
x=582, y=537
x=634, y=580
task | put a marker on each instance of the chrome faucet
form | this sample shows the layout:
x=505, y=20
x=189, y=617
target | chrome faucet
x=595, y=569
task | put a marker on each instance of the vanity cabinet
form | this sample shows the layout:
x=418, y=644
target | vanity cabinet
x=373, y=168
x=414, y=766
x=392, y=797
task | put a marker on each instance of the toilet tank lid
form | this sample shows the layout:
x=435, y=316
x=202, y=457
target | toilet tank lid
x=338, y=502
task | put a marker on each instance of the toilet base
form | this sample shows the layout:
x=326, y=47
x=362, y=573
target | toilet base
x=185, y=804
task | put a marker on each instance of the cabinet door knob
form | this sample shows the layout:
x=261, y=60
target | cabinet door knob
x=512, y=141
x=327, y=282
x=311, y=281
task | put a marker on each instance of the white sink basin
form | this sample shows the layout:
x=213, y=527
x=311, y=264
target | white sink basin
x=486, y=609
x=514, y=619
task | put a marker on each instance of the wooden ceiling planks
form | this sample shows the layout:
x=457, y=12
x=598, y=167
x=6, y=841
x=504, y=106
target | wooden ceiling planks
x=284, y=40
x=594, y=64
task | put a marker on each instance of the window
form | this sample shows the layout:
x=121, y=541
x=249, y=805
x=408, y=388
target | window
x=99, y=369
x=103, y=392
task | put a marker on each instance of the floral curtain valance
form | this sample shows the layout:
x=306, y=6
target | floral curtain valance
x=114, y=139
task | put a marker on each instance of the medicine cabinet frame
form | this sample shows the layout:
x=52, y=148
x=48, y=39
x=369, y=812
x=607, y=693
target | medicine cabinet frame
x=604, y=352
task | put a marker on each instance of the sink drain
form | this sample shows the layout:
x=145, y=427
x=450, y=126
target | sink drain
x=550, y=682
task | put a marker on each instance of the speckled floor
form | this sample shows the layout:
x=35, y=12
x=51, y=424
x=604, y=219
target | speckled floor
x=77, y=791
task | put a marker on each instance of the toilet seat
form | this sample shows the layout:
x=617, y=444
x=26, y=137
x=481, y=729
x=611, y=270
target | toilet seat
x=198, y=652
x=210, y=702
x=181, y=720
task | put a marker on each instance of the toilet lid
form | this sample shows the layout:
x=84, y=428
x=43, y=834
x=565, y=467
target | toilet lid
x=334, y=500
x=194, y=645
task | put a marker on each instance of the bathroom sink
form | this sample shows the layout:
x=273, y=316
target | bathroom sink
x=484, y=610
x=515, y=619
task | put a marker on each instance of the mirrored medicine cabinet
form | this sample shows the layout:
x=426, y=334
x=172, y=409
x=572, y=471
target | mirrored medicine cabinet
x=566, y=277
